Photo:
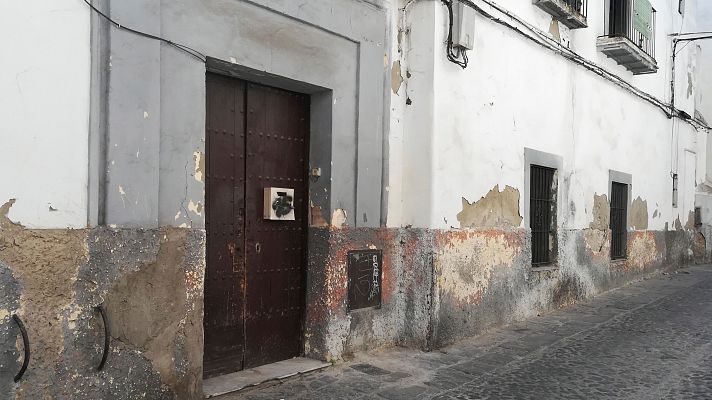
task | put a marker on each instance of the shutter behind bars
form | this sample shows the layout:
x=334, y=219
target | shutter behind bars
x=541, y=205
x=619, y=218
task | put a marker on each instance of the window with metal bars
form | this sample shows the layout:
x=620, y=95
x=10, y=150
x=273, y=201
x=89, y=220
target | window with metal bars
x=542, y=218
x=634, y=20
x=619, y=220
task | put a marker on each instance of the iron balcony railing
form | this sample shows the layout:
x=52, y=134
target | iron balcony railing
x=578, y=6
x=634, y=20
x=571, y=13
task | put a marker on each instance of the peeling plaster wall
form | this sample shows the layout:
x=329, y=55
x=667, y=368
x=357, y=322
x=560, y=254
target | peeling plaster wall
x=150, y=282
x=639, y=216
x=453, y=135
x=495, y=209
x=456, y=160
x=9, y=354
x=44, y=109
x=440, y=285
x=464, y=131
x=479, y=274
x=332, y=333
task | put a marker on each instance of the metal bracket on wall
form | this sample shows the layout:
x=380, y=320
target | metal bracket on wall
x=107, y=337
x=25, y=344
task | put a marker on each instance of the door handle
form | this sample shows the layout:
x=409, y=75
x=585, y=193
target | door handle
x=107, y=336
x=25, y=344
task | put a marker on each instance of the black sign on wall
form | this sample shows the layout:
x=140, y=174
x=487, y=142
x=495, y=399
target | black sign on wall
x=365, y=271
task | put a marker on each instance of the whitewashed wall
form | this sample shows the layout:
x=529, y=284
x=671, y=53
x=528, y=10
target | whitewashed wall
x=466, y=130
x=704, y=106
x=704, y=76
x=44, y=111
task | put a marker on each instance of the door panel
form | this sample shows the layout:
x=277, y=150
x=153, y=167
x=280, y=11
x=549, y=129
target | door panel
x=277, y=132
x=224, y=224
x=256, y=137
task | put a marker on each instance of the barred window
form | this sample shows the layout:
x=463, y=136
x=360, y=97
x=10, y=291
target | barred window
x=542, y=217
x=619, y=220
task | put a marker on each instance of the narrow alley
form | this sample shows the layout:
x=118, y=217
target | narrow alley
x=355, y=199
x=647, y=340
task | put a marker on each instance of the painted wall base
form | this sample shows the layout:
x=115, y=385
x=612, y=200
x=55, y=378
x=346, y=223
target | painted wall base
x=150, y=282
x=442, y=285
x=438, y=286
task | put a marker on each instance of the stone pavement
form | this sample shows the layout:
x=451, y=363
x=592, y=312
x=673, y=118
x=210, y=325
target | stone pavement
x=649, y=340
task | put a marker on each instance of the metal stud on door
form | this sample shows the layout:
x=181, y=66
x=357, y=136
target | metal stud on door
x=277, y=140
x=223, y=321
x=256, y=191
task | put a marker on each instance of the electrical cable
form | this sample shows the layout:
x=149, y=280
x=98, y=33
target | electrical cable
x=458, y=55
x=674, y=158
x=683, y=47
x=691, y=33
x=692, y=39
x=574, y=57
x=190, y=51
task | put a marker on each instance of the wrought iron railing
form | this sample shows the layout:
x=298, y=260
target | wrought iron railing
x=578, y=6
x=542, y=220
x=634, y=20
x=619, y=220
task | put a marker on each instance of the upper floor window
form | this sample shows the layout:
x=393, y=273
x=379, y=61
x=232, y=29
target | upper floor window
x=630, y=35
x=619, y=220
x=634, y=20
x=542, y=218
x=571, y=13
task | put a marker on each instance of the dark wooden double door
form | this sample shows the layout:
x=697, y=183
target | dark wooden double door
x=256, y=137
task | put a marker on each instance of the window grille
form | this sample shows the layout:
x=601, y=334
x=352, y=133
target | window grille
x=543, y=214
x=619, y=220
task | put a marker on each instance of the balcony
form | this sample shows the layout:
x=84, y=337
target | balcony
x=571, y=13
x=630, y=38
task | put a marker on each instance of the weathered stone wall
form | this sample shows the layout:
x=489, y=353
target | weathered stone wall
x=479, y=274
x=332, y=333
x=438, y=286
x=443, y=285
x=150, y=282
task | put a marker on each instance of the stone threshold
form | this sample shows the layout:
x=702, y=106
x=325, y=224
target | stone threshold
x=250, y=378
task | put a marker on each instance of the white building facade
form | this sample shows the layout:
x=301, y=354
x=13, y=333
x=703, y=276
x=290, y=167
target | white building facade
x=516, y=94
x=566, y=154
x=45, y=83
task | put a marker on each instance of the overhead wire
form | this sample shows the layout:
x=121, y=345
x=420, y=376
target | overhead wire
x=542, y=39
x=693, y=38
x=676, y=39
x=458, y=55
x=683, y=47
x=185, y=49
x=691, y=33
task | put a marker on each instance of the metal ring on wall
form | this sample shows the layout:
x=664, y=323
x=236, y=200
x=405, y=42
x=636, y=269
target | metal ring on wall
x=107, y=337
x=26, y=345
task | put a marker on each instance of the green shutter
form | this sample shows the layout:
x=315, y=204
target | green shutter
x=643, y=18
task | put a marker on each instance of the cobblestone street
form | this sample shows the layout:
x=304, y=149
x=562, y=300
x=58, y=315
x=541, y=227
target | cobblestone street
x=649, y=340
